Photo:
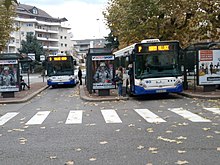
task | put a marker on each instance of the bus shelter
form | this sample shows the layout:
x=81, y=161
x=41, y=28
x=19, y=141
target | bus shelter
x=202, y=65
x=9, y=74
x=100, y=71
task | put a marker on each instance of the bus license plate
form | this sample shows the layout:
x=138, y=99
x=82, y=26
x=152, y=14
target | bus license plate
x=161, y=91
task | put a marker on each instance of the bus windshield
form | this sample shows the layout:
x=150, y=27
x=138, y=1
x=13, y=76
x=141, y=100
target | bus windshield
x=58, y=68
x=157, y=64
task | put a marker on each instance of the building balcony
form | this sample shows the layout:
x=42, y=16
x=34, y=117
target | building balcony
x=34, y=20
x=12, y=45
x=47, y=39
x=51, y=47
x=47, y=31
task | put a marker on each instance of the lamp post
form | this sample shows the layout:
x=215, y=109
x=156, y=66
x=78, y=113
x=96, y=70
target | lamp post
x=98, y=27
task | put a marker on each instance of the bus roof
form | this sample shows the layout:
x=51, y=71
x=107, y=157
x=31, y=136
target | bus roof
x=128, y=50
x=125, y=51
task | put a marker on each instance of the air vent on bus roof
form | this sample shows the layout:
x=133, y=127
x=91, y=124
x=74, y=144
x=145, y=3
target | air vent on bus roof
x=150, y=40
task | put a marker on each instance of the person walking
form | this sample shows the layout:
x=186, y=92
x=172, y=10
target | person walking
x=80, y=75
x=119, y=74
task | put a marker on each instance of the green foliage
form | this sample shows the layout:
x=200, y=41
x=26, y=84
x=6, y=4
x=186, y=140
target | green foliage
x=186, y=21
x=9, y=3
x=38, y=68
x=31, y=45
x=113, y=42
x=7, y=12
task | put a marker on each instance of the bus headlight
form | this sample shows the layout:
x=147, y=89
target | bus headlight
x=177, y=82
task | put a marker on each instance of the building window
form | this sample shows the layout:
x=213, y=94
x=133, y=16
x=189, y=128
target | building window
x=61, y=44
x=61, y=37
x=65, y=45
x=35, y=11
x=29, y=24
x=16, y=24
x=65, y=37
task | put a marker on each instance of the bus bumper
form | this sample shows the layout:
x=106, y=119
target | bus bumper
x=141, y=91
x=51, y=83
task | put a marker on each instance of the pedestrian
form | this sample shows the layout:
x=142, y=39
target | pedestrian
x=119, y=75
x=80, y=75
x=23, y=84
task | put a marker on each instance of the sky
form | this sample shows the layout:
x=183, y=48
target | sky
x=84, y=16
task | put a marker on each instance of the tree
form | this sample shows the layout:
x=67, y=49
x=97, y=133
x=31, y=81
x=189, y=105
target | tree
x=113, y=42
x=186, y=21
x=31, y=45
x=7, y=12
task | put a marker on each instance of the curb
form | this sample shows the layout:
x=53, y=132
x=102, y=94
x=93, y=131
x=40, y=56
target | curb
x=27, y=98
x=193, y=95
x=86, y=98
x=189, y=95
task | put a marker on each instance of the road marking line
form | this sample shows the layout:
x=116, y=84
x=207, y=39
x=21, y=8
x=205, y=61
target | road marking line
x=188, y=115
x=214, y=110
x=149, y=116
x=5, y=118
x=74, y=117
x=38, y=118
x=111, y=116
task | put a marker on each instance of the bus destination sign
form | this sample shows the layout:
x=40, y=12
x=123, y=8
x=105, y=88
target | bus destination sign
x=152, y=48
x=57, y=58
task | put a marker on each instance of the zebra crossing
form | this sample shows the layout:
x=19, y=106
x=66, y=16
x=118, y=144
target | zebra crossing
x=111, y=116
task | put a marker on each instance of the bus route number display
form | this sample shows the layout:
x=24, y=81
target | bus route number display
x=57, y=58
x=152, y=48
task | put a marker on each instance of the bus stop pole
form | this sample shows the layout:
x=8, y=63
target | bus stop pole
x=28, y=74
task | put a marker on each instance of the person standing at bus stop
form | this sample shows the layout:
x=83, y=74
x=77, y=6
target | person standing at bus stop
x=80, y=75
x=119, y=74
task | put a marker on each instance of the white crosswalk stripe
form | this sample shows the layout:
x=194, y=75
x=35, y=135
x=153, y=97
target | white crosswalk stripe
x=8, y=116
x=74, y=117
x=111, y=116
x=188, y=115
x=38, y=118
x=149, y=116
x=214, y=110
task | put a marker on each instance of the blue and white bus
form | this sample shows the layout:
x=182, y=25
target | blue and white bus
x=60, y=71
x=151, y=67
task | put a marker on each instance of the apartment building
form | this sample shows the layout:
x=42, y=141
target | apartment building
x=52, y=33
x=82, y=46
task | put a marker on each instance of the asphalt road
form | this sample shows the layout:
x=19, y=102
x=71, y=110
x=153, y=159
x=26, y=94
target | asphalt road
x=57, y=128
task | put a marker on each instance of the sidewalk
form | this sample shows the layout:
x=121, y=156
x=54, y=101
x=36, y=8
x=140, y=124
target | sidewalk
x=199, y=93
x=85, y=95
x=25, y=95
x=37, y=87
x=191, y=93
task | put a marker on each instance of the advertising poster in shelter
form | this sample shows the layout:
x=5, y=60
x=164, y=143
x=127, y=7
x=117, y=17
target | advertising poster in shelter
x=209, y=67
x=102, y=71
x=9, y=76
